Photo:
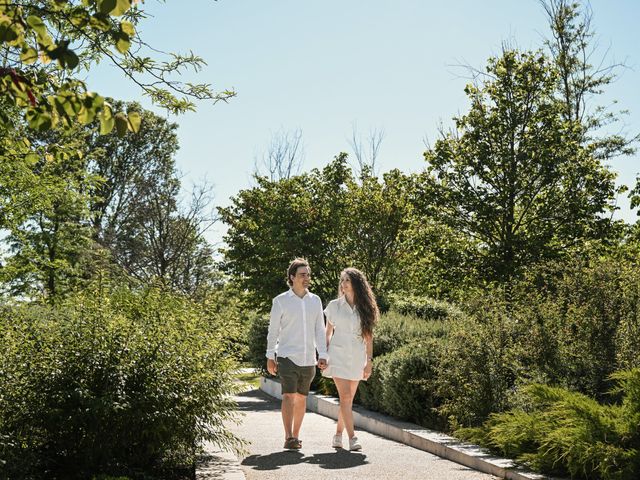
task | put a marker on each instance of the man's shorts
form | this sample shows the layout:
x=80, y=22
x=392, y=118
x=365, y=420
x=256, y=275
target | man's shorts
x=293, y=378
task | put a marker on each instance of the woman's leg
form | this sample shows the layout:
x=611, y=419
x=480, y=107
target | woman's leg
x=340, y=424
x=346, y=390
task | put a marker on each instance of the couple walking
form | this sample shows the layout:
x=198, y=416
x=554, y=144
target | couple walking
x=345, y=346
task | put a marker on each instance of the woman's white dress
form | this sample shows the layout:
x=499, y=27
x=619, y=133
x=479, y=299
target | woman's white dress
x=347, y=349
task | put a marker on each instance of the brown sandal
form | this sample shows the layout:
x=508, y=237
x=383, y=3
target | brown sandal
x=292, y=443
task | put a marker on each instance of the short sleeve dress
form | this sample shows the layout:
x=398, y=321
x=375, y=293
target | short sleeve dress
x=347, y=350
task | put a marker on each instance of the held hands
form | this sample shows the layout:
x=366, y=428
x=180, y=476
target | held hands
x=272, y=366
x=322, y=364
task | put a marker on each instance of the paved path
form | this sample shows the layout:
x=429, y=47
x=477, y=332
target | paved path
x=380, y=458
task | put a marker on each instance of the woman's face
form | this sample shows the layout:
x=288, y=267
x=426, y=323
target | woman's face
x=345, y=285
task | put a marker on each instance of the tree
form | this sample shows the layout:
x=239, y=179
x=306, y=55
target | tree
x=76, y=35
x=582, y=76
x=49, y=230
x=86, y=196
x=127, y=167
x=515, y=174
x=327, y=216
x=162, y=240
x=366, y=156
x=283, y=157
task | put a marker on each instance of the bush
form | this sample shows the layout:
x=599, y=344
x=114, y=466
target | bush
x=567, y=433
x=257, y=341
x=369, y=393
x=395, y=330
x=423, y=307
x=115, y=383
x=408, y=378
x=478, y=367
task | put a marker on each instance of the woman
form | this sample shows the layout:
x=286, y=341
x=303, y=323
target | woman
x=350, y=321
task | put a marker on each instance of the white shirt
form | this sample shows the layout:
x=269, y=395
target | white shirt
x=296, y=328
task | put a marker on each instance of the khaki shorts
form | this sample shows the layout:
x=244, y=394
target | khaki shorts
x=293, y=378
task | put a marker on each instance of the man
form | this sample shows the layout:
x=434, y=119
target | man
x=296, y=331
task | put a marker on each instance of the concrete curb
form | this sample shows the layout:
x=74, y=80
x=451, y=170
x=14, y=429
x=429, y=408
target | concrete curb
x=415, y=436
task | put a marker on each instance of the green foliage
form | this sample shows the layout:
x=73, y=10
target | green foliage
x=112, y=382
x=394, y=331
x=423, y=307
x=47, y=215
x=563, y=432
x=77, y=35
x=370, y=392
x=572, y=46
x=407, y=352
x=327, y=216
x=478, y=367
x=83, y=200
x=581, y=317
x=514, y=175
x=568, y=323
x=258, y=325
x=408, y=377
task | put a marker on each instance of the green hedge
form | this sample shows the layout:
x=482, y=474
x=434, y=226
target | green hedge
x=403, y=384
x=423, y=307
x=116, y=383
x=395, y=330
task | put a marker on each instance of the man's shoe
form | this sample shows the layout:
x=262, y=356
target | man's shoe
x=292, y=443
x=337, y=441
x=354, y=444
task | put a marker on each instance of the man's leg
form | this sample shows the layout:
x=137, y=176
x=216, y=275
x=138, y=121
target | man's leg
x=289, y=383
x=288, y=414
x=299, y=409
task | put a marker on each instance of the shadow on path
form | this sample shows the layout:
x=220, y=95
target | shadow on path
x=331, y=461
x=256, y=401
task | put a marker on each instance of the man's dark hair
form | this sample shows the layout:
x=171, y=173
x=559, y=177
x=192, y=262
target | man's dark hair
x=293, y=268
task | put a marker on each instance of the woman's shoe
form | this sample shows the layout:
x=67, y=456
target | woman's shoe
x=354, y=444
x=337, y=441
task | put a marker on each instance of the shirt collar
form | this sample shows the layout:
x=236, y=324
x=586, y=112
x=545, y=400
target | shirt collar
x=291, y=293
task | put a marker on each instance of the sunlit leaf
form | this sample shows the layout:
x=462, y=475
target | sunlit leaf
x=122, y=125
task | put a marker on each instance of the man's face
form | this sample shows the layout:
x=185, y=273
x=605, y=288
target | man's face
x=302, y=278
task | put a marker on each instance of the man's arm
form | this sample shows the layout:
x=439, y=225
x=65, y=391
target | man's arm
x=321, y=339
x=272, y=336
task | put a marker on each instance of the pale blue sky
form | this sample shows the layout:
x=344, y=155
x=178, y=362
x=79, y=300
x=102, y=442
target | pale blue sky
x=323, y=66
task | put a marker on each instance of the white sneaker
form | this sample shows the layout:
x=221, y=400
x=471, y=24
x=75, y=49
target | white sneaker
x=337, y=441
x=354, y=444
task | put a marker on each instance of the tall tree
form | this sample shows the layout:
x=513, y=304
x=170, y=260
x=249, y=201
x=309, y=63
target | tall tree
x=329, y=217
x=283, y=157
x=49, y=232
x=515, y=174
x=128, y=167
x=583, y=75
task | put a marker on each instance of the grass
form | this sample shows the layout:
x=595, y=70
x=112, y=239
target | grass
x=252, y=379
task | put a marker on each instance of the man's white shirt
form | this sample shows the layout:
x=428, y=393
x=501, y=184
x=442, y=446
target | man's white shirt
x=296, y=328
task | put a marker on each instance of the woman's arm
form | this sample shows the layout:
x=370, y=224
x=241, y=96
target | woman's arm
x=369, y=366
x=329, y=332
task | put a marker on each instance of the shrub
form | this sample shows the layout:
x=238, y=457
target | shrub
x=369, y=393
x=257, y=341
x=478, y=367
x=567, y=433
x=423, y=307
x=408, y=383
x=395, y=330
x=115, y=383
